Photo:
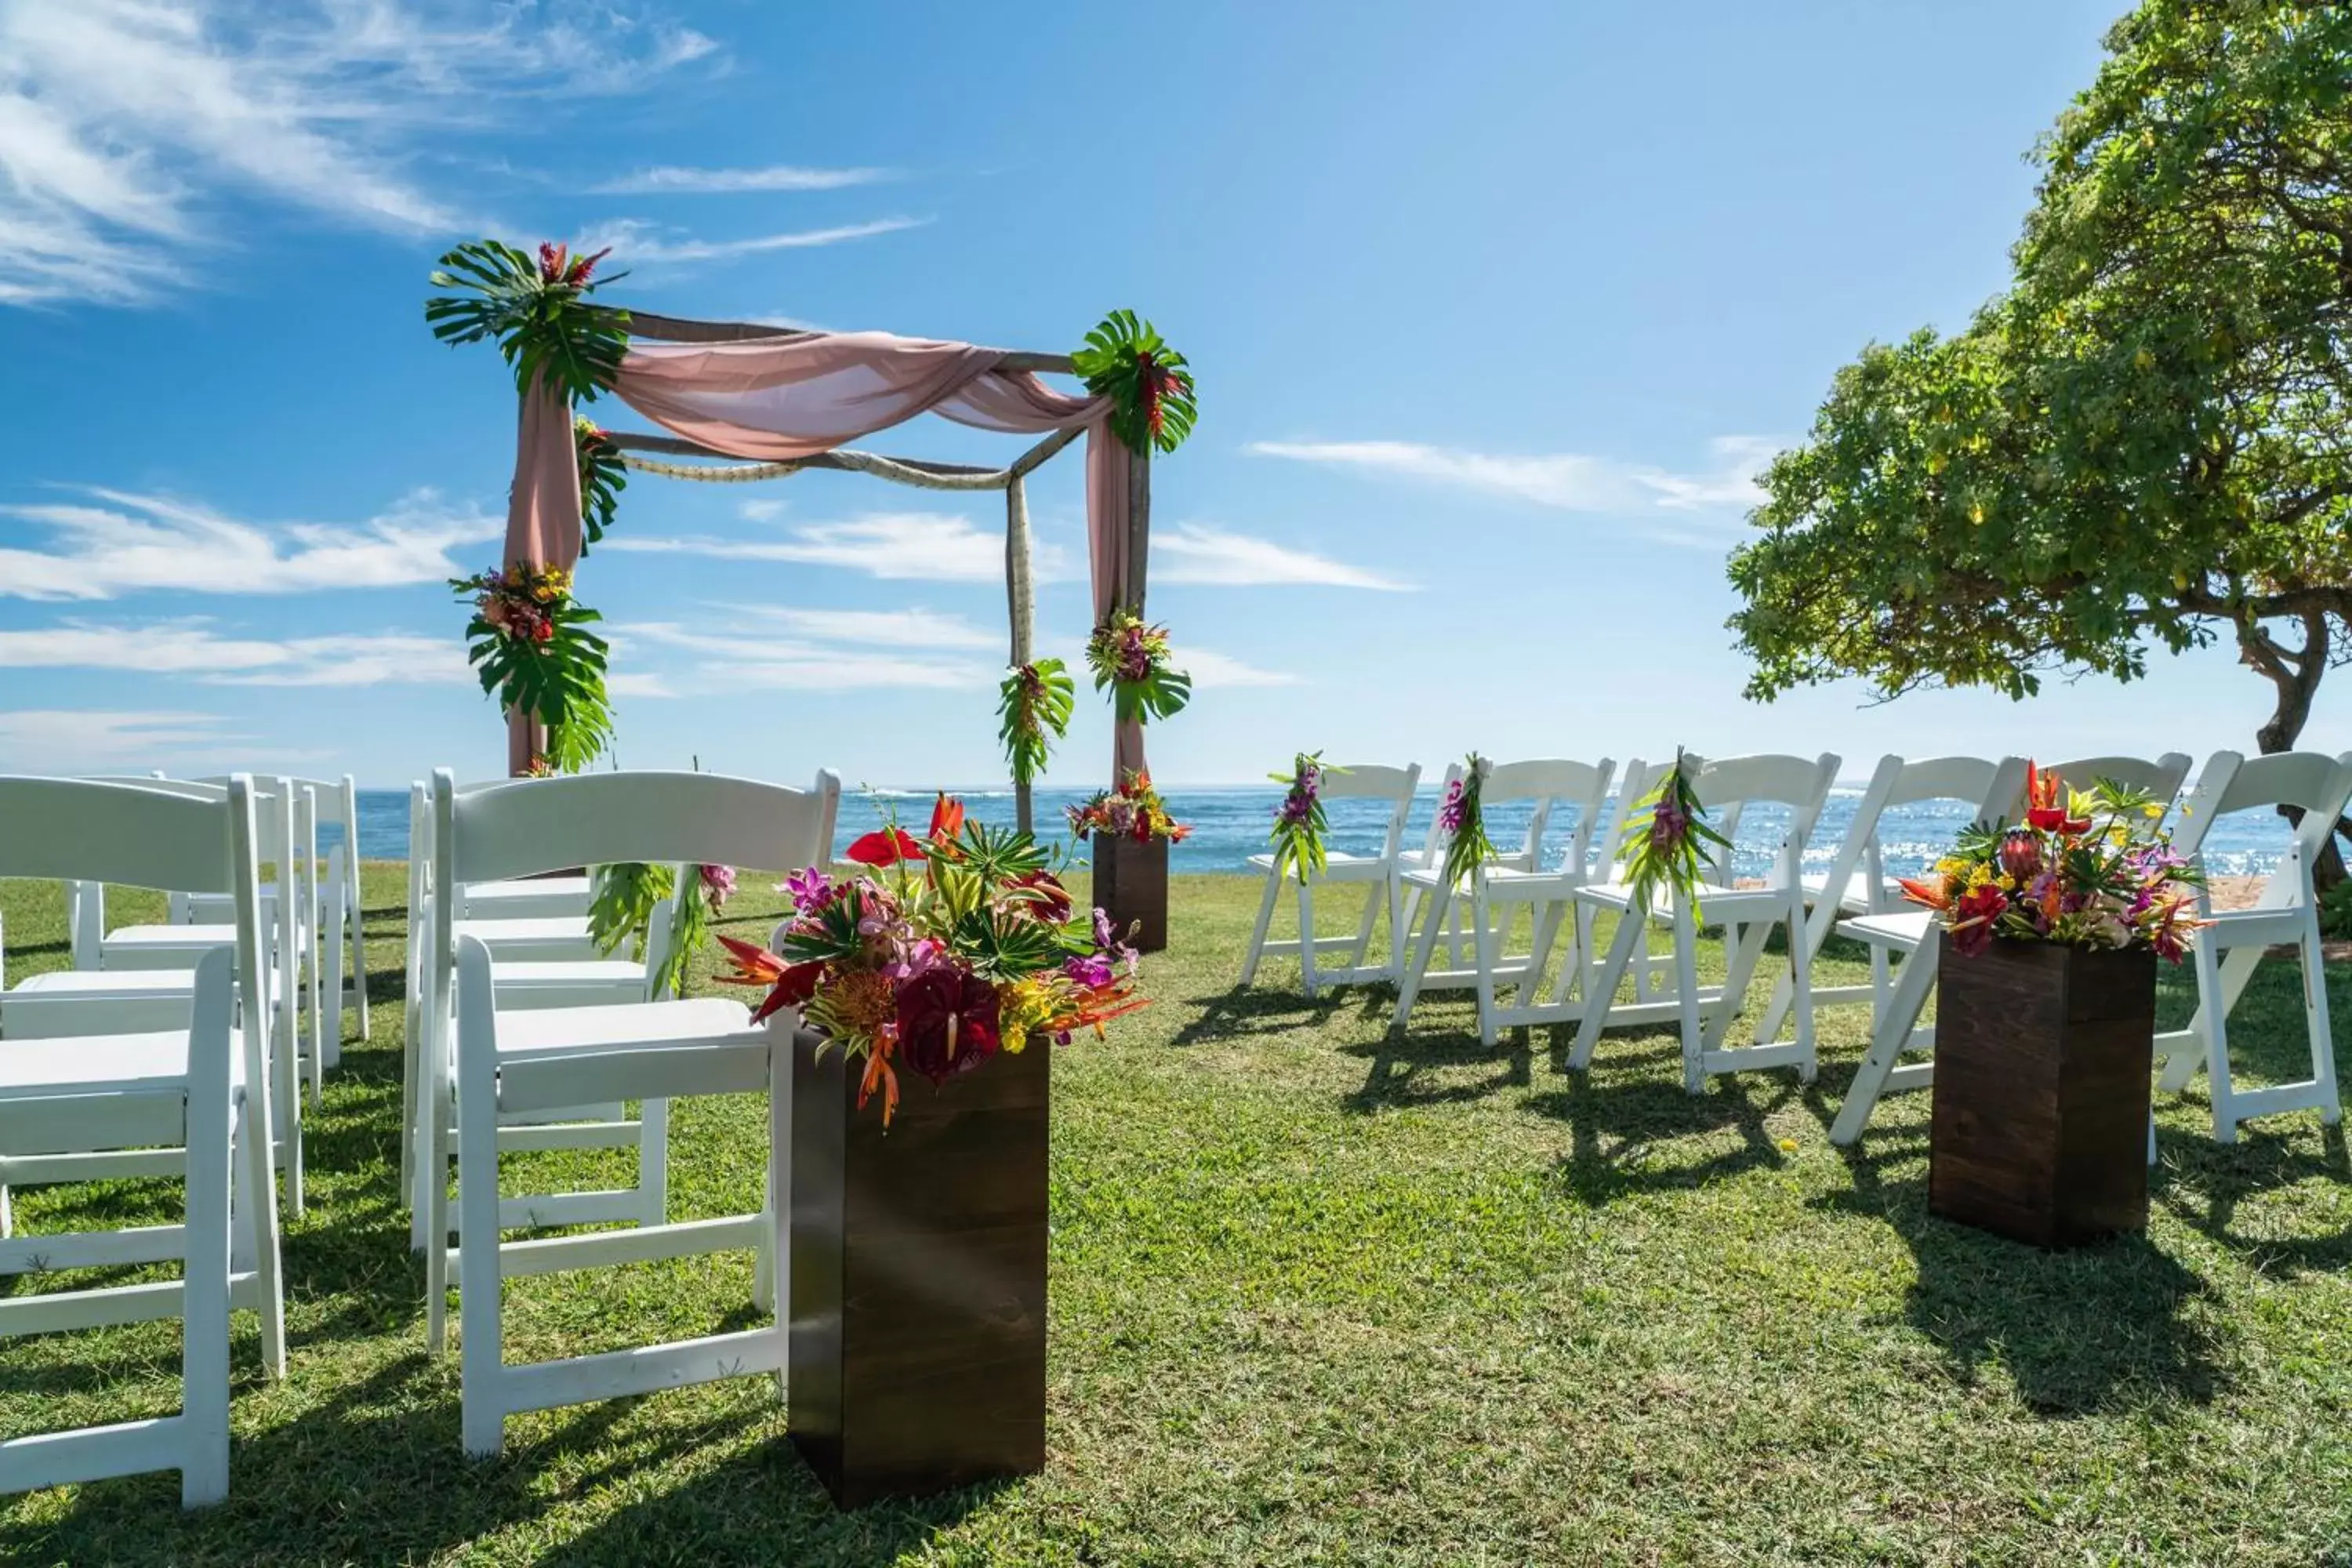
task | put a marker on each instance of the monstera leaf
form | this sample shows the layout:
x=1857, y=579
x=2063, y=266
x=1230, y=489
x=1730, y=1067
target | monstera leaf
x=1124, y=359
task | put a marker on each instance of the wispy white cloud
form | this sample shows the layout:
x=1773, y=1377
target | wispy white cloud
x=882, y=628
x=1569, y=481
x=765, y=508
x=79, y=740
x=634, y=242
x=122, y=122
x=920, y=546
x=128, y=543
x=637, y=684
x=1201, y=552
x=1213, y=671
x=669, y=179
x=739, y=662
x=192, y=649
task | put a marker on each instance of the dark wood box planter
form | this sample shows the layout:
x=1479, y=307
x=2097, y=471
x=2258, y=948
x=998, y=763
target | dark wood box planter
x=917, y=1294
x=1132, y=886
x=2043, y=1058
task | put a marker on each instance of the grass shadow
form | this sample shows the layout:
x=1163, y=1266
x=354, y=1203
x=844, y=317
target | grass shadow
x=2077, y=1332
x=1639, y=1135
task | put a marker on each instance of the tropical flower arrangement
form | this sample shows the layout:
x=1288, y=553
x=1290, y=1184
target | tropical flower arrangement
x=1130, y=656
x=531, y=646
x=1034, y=704
x=621, y=901
x=939, y=953
x=2086, y=868
x=1136, y=812
x=1124, y=358
x=1299, y=821
x=603, y=476
x=537, y=310
x=1463, y=823
x=1667, y=839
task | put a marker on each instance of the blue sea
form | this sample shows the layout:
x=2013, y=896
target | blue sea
x=1229, y=826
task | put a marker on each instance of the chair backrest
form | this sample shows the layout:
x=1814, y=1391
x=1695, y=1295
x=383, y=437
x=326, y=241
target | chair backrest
x=1988, y=787
x=2313, y=782
x=1372, y=781
x=1727, y=787
x=1633, y=783
x=531, y=826
x=1547, y=782
x=135, y=835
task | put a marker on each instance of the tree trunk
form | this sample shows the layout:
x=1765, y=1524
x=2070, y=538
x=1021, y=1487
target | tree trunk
x=2295, y=675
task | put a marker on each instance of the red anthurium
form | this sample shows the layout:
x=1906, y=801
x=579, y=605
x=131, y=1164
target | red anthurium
x=883, y=847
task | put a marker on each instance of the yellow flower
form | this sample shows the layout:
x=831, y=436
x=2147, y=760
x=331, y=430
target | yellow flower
x=1788, y=1145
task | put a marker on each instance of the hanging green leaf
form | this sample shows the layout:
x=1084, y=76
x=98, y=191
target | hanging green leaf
x=1125, y=360
x=1035, y=703
x=603, y=476
x=531, y=648
x=1131, y=658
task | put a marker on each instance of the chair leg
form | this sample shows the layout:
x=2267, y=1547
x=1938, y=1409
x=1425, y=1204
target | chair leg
x=336, y=964
x=1257, y=932
x=1307, y=937
x=482, y=1413
x=1600, y=986
x=2314, y=1019
x=1409, y=982
x=1742, y=947
x=358, y=920
x=1395, y=886
x=1801, y=974
x=2214, y=1009
x=653, y=1162
x=782, y=1028
x=204, y=1295
x=1694, y=1031
x=1484, y=943
x=2235, y=968
x=1358, y=954
x=1888, y=1041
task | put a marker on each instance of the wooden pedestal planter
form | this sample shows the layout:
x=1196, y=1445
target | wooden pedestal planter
x=2042, y=1057
x=917, y=1295
x=1131, y=887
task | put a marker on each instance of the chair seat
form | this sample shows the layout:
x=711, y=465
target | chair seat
x=528, y=898
x=1715, y=903
x=174, y=945
x=552, y=1033
x=1854, y=897
x=1337, y=866
x=536, y=974
x=541, y=939
x=1906, y=929
x=151, y=1063
x=105, y=984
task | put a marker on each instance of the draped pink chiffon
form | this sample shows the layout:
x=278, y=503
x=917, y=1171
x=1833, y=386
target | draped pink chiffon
x=775, y=399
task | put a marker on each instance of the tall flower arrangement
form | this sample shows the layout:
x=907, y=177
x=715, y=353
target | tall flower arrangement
x=2086, y=868
x=1299, y=821
x=1131, y=658
x=1667, y=839
x=1134, y=811
x=1463, y=820
x=530, y=648
x=938, y=953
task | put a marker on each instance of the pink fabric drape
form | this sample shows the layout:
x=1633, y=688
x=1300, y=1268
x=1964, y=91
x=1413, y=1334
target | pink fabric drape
x=772, y=400
x=542, y=523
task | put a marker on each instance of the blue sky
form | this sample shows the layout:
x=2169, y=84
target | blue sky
x=1495, y=311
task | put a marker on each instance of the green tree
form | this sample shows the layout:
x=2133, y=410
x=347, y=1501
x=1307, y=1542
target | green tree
x=2146, y=442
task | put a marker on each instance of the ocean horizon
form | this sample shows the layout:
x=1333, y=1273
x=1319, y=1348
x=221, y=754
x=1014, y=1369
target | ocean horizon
x=1229, y=824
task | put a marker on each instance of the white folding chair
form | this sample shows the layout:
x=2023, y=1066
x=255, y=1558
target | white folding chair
x=522, y=1062
x=1497, y=893
x=2285, y=914
x=1857, y=881
x=1747, y=915
x=1910, y=934
x=146, y=972
x=168, y=1103
x=1378, y=874
x=536, y=982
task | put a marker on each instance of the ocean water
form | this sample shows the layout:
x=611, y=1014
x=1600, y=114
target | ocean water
x=1230, y=824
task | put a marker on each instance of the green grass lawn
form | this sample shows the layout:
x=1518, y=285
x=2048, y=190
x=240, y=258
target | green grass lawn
x=1321, y=1293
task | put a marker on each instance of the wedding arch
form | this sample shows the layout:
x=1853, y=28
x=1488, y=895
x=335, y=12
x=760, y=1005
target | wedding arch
x=743, y=402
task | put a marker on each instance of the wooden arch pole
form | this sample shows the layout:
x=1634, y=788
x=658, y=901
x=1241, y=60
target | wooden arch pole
x=1020, y=606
